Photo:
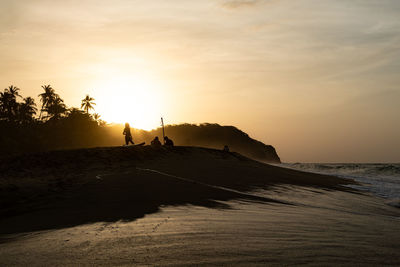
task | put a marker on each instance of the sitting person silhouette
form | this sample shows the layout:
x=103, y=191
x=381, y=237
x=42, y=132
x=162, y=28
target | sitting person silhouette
x=226, y=148
x=168, y=142
x=127, y=133
x=156, y=143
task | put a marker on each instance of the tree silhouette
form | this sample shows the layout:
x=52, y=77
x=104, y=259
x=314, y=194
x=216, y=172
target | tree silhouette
x=27, y=110
x=5, y=99
x=46, y=98
x=96, y=116
x=21, y=131
x=56, y=108
x=87, y=103
x=13, y=90
x=12, y=111
x=8, y=103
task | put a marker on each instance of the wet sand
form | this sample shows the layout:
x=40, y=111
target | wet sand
x=337, y=229
x=193, y=206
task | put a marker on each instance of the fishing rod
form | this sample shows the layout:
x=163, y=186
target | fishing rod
x=162, y=124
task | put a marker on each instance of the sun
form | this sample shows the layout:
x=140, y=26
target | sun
x=133, y=99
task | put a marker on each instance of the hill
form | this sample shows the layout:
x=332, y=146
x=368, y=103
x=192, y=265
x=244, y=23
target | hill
x=215, y=136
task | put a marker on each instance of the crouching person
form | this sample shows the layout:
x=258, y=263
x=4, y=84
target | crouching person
x=155, y=143
x=168, y=142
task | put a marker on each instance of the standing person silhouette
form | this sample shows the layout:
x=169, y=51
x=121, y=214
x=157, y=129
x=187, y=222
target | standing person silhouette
x=127, y=133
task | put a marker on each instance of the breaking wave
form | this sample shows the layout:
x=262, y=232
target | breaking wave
x=381, y=179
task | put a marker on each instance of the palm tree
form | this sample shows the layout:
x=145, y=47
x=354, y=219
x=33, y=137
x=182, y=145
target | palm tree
x=46, y=98
x=27, y=109
x=9, y=103
x=5, y=99
x=13, y=91
x=96, y=116
x=87, y=103
x=56, y=108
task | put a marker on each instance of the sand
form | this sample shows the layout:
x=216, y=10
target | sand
x=183, y=206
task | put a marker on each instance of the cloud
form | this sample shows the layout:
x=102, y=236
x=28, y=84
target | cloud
x=236, y=4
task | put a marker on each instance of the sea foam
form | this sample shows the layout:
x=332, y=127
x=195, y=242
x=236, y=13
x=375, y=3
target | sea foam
x=380, y=179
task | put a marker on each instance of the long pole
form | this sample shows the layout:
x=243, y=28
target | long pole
x=163, y=132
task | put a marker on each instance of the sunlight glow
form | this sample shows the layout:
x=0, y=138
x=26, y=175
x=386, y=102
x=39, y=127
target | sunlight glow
x=133, y=99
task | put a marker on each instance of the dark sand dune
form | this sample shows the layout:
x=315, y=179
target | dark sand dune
x=73, y=187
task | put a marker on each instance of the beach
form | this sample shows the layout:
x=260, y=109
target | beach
x=185, y=206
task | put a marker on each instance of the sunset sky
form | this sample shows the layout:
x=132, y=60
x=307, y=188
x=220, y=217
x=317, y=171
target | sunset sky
x=317, y=79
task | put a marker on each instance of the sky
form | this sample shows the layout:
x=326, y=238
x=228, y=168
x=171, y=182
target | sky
x=317, y=79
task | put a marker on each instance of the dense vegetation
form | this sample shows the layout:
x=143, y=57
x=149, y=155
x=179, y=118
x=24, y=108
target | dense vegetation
x=27, y=128
x=55, y=127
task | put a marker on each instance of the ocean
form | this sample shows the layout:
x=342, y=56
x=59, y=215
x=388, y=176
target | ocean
x=380, y=179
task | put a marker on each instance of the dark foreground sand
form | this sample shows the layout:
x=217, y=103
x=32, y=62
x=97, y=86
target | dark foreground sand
x=139, y=206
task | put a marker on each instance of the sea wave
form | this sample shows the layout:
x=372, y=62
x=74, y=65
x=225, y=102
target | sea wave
x=379, y=178
x=375, y=169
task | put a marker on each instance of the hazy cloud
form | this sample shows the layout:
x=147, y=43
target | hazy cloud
x=235, y=4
